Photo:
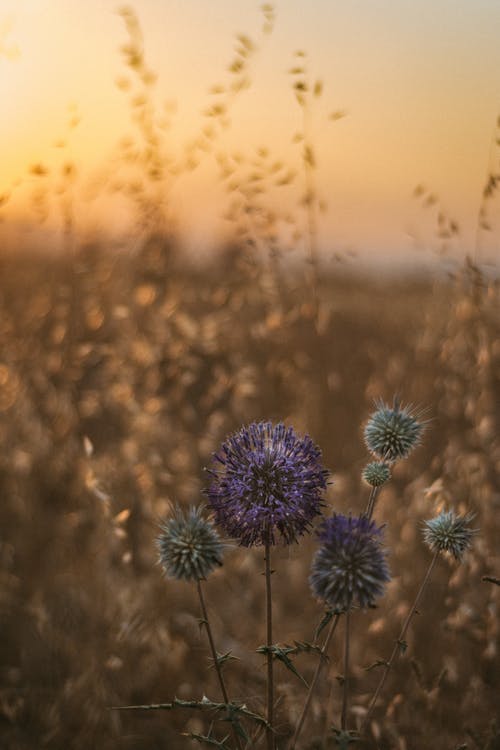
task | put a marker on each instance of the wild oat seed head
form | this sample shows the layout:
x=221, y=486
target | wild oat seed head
x=449, y=532
x=267, y=484
x=393, y=432
x=189, y=545
x=376, y=473
x=350, y=567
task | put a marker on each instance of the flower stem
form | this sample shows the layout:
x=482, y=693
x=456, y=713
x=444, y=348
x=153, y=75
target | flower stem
x=343, y=718
x=312, y=686
x=270, y=679
x=371, y=503
x=400, y=641
x=218, y=669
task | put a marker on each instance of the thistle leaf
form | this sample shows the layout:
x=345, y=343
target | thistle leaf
x=377, y=663
x=324, y=622
x=344, y=738
x=306, y=647
x=237, y=725
x=491, y=579
x=205, y=739
x=239, y=709
x=282, y=654
x=223, y=658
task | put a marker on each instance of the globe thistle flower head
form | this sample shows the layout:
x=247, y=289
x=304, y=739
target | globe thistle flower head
x=393, y=432
x=376, y=473
x=189, y=546
x=449, y=532
x=267, y=484
x=350, y=567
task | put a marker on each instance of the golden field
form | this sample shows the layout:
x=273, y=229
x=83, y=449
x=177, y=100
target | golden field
x=119, y=376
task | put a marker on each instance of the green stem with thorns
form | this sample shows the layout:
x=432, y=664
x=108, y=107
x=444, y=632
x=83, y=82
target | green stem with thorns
x=312, y=686
x=401, y=638
x=270, y=677
x=345, y=686
x=217, y=666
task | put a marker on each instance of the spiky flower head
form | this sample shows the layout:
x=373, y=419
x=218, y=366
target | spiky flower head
x=376, y=473
x=350, y=567
x=189, y=545
x=449, y=532
x=267, y=484
x=393, y=432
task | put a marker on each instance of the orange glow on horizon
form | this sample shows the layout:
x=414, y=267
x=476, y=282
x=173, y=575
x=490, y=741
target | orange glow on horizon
x=414, y=114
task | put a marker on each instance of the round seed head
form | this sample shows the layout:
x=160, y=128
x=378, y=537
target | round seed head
x=376, y=473
x=189, y=545
x=393, y=432
x=449, y=532
x=350, y=567
x=267, y=484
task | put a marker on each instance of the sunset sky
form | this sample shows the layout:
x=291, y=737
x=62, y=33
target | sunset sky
x=419, y=82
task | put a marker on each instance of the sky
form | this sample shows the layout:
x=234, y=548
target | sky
x=418, y=83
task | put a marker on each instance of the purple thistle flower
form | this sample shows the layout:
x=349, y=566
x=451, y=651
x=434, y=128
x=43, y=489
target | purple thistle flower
x=268, y=484
x=349, y=568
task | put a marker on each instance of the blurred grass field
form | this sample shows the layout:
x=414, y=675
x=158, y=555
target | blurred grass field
x=122, y=371
x=119, y=375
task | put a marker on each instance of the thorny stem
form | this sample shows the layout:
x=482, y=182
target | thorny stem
x=400, y=641
x=269, y=620
x=371, y=503
x=343, y=718
x=314, y=680
x=217, y=666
